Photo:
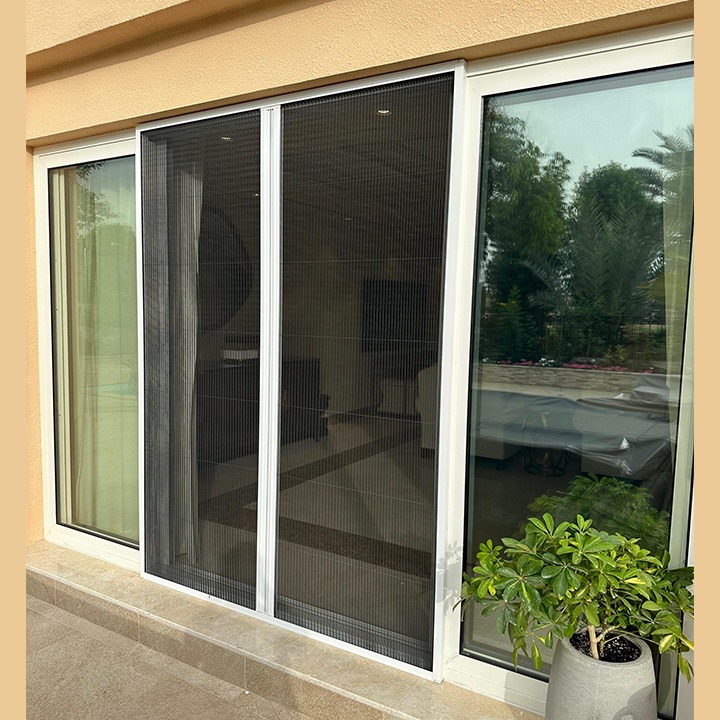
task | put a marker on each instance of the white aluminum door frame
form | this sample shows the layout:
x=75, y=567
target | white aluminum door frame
x=642, y=50
x=78, y=152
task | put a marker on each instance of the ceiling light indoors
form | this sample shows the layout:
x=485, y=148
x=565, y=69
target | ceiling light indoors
x=226, y=138
x=383, y=111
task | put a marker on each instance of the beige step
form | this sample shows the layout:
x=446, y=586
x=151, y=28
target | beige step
x=297, y=672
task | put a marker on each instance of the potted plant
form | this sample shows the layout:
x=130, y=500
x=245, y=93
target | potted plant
x=596, y=596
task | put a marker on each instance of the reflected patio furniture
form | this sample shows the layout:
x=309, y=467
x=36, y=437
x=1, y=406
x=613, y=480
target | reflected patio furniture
x=622, y=438
x=493, y=446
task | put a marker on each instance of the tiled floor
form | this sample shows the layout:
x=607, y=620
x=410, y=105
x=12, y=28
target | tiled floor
x=80, y=671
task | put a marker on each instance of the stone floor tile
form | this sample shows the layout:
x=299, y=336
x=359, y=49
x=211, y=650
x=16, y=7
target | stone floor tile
x=360, y=676
x=193, y=649
x=39, y=606
x=40, y=586
x=79, y=673
x=444, y=701
x=41, y=631
x=79, y=624
x=78, y=678
x=98, y=610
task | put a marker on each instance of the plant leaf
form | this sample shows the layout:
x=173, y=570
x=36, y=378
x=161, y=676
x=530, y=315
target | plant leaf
x=560, y=584
x=649, y=605
x=549, y=522
x=591, y=613
x=537, y=657
x=550, y=571
x=539, y=524
x=685, y=668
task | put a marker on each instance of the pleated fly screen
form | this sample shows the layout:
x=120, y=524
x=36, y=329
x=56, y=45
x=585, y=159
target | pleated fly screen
x=363, y=211
x=201, y=234
x=363, y=214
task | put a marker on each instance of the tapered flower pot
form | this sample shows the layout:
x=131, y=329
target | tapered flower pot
x=588, y=689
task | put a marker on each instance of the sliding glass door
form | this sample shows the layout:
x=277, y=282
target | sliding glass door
x=361, y=202
x=92, y=238
x=583, y=269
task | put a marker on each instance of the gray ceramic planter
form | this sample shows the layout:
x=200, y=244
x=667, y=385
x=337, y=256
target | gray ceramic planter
x=582, y=687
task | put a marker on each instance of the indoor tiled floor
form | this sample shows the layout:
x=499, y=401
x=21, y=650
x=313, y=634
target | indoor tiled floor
x=80, y=671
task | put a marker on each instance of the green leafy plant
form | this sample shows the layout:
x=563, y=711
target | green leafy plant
x=570, y=578
x=614, y=505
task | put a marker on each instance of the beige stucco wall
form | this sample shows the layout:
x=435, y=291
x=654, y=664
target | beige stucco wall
x=82, y=28
x=94, y=68
x=48, y=25
x=275, y=46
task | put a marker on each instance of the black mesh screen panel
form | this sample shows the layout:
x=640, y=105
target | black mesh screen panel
x=364, y=211
x=364, y=182
x=201, y=261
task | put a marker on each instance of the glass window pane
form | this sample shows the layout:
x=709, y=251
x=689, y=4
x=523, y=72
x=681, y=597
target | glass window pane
x=95, y=346
x=584, y=242
x=364, y=212
x=201, y=237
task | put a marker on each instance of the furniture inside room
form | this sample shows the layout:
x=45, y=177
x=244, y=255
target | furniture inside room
x=228, y=407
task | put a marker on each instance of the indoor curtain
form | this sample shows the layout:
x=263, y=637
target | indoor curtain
x=74, y=296
x=96, y=346
x=184, y=178
x=83, y=358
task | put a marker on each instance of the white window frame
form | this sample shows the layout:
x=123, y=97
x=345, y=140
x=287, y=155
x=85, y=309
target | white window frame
x=626, y=52
x=67, y=154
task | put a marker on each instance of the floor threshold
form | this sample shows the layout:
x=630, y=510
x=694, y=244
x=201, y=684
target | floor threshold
x=302, y=674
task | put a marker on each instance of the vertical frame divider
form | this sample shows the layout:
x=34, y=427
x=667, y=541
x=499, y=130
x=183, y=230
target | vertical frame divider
x=270, y=352
x=682, y=547
x=60, y=345
x=140, y=290
x=682, y=492
x=454, y=367
x=685, y=695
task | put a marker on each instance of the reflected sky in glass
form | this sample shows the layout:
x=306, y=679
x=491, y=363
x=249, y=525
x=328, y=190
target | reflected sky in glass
x=601, y=121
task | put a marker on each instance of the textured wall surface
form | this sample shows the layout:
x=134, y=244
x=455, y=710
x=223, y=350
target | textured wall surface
x=47, y=26
x=270, y=47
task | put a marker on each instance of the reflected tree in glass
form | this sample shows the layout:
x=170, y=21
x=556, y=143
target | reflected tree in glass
x=526, y=222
